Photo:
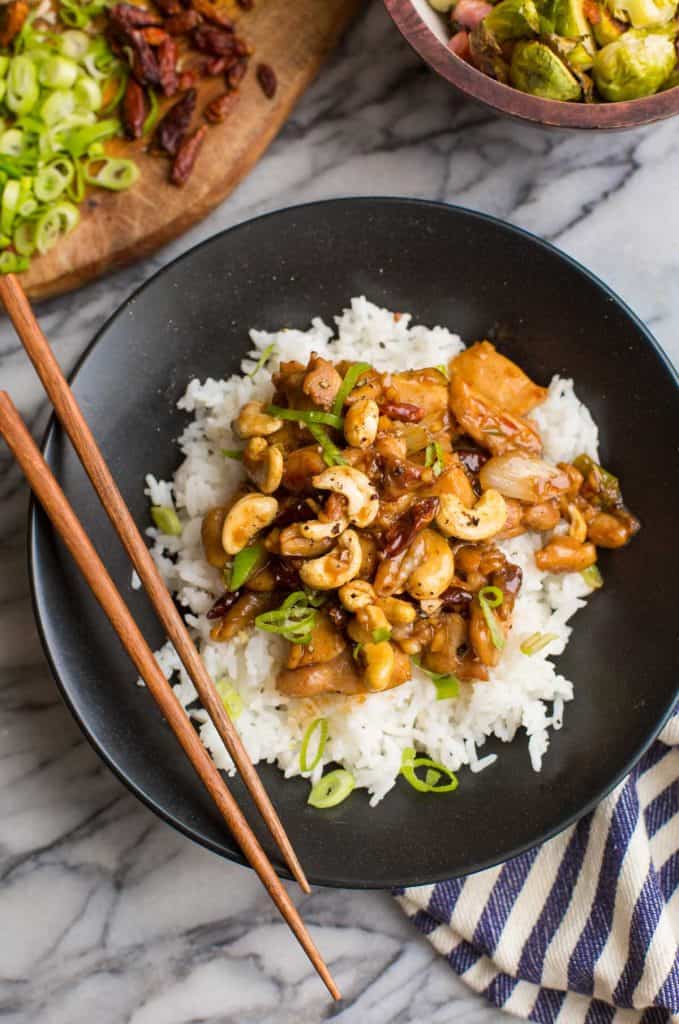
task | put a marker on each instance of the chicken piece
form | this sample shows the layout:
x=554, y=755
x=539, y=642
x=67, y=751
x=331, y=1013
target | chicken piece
x=491, y=427
x=453, y=480
x=326, y=643
x=341, y=675
x=300, y=466
x=450, y=634
x=497, y=379
x=288, y=383
x=424, y=389
x=242, y=614
x=543, y=516
x=514, y=525
x=321, y=382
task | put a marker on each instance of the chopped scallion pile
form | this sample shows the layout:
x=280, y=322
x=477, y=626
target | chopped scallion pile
x=294, y=620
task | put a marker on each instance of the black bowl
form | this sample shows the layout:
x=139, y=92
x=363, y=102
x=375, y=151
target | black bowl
x=449, y=266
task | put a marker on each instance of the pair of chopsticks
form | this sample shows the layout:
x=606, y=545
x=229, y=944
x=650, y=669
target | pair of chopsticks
x=56, y=505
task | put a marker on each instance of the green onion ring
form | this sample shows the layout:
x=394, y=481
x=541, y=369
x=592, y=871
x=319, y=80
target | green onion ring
x=411, y=762
x=332, y=789
x=537, y=642
x=318, y=723
x=348, y=385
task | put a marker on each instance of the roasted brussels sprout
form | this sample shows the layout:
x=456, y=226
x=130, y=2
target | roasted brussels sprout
x=637, y=64
x=513, y=19
x=536, y=69
x=645, y=13
x=487, y=55
x=606, y=28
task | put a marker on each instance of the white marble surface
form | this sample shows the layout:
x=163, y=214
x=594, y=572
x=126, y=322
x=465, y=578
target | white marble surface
x=108, y=916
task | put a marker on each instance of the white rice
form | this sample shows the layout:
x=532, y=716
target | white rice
x=365, y=736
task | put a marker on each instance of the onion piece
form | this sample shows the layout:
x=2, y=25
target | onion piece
x=523, y=477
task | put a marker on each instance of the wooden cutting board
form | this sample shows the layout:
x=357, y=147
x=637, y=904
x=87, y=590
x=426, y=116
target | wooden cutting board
x=117, y=228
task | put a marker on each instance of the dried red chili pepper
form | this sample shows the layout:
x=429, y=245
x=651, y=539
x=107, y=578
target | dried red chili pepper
x=400, y=535
x=213, y=13
x=182, y=23
x=266, y=76
x=167, y=63
x=404, y=411
x=472, y=458
x=175, y=123
x=144, y=61
x=220, y=107
x=236, y=73
x=134, y=109
x=286, y=573
x=222, y=604
x=187, y=155
x=456, y=599
x=127, y=16
x=212, y=40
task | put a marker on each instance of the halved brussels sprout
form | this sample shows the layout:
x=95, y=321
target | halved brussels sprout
x=607, y=29
x=513, y=19
x=635, y=65
x=570, y=20
x=486, y=53
x=645, y=13
x=537, y=70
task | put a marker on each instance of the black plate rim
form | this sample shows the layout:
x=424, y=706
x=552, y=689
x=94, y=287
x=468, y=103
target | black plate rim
x=32, y=552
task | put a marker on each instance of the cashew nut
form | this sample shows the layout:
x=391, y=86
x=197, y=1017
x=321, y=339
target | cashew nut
x=399, y=613
x=435, y=573
x=339, y=566
x=252, y=421
x=316, y=529
x=247, y=517
x=361, y=423
x=379, y=664
x=578, y=527
x=362, y=499
x=479, y=523
x=357, y=594
x=372, y=619
x=264, y=464
x=294, y=544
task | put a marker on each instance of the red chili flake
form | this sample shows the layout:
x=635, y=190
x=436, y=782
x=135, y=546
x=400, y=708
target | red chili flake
x=186, y=80
x=266, y=76
x=404, y=411
x=134, y=109
x=220, y=107
x=182, y=23
x=400, y=535
x=187, y=155
x=175, y=123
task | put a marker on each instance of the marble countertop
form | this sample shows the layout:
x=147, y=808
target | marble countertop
x=107, y=915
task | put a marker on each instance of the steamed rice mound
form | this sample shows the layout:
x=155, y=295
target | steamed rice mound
x=366, y=735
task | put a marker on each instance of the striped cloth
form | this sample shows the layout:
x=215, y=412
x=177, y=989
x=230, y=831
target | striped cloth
x=584, y=929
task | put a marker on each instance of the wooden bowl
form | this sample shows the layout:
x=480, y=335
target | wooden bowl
x=426, y=32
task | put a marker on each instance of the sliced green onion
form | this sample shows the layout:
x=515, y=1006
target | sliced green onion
x=12, y=142
x=59, y=105
x=348, y=385
x=332, y=789
x=411, y=762
x=166, y=519
x=58, y=73
x=87, y=93
x=356, y=650
x=263, y=359
x=245, y=563
x=294, y=620
x=57, y=221
x=305, y=416
x=8, y=262
x=81, y=138
x=116, y=96
x=537, y=642
x=49, y=184
x=22, y=86
x=489, y=598
x=330, y=452
x=114, y=173
x=232, y=453
x=433, y=458
x=10, y=201
x=379, y=635
x=24, y=238
x=153, y=114
x=4, y=65
x=317, y=724
x=231, y=699
x=442, y=368
x=447, y=685
x=592, y=577
x=74, y=44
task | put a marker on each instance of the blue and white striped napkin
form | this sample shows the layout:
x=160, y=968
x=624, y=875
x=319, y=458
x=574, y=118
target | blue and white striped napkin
x=584, y=929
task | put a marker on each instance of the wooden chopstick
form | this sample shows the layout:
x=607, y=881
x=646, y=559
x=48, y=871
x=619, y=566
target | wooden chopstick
x=65, y=521
x=70, y=415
